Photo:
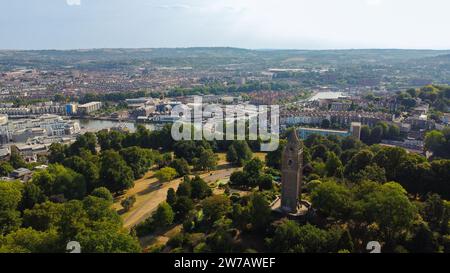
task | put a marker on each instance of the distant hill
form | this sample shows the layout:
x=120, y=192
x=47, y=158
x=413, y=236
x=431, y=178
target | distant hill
x=203, y=57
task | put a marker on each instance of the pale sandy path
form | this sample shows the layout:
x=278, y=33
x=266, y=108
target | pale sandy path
x=150, y=193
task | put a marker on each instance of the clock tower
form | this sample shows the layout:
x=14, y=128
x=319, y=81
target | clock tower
x=292, y=171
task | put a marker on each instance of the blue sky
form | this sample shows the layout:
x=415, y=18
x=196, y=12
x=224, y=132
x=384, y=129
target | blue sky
x=300, y=24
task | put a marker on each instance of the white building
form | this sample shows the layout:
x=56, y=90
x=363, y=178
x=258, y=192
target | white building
x=89, y=107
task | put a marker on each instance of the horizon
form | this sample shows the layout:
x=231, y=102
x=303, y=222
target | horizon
x=224, y=47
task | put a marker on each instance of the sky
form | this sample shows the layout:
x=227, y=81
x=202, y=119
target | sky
x=254, y=24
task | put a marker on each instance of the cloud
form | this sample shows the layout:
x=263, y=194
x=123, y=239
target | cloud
x=73, y=2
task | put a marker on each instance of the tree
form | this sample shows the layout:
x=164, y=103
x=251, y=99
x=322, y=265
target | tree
x=376, y=134
x=286, y=238
x=243, y=152
x=232, y=155
x=423, y=240
x=115, y=174
x=332, y=199
x=28, y=240
x=358, y=162
x=87, y=141
x=393, y=132
x=438, y=183
x=371, y=172
x=215, y=207
x=5, y=168
x=238, y=178
x=138, y=159
x=88, y=168
x=391, y=209
x=434, y=210
x=319, y=151
x=164, y=160
x=259, y=212
x=312, y=239
x=325, y=123
x=345, y=241
x=333, y=165
x=265, y=182
x=166, y=174
x=181, y=166
x=200, y=188
x=291, y=238
x=253, y=168
x=390, y=158
x=185, y=188
x=435, y=141
x=110, y=140
x=128, y=202
x=44, y=216
x=349, y=143
x=163, y=215
x=171, y=197
x=206, y=161
x=103, y=193
x=104, y=237
x=31, y=195
x=182, y=207
x=16, y=160
x=9, y=221
x=273, y=158
x=365, y=135
x=57, y=153
x=59, y=180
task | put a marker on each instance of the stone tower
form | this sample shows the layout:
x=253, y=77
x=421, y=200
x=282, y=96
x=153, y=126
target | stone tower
x=292, y=171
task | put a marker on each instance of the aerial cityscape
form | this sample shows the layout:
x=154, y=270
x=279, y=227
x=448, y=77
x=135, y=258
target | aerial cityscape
x=89, y=161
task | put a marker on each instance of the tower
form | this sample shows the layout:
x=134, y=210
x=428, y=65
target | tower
x=292, y=171
x=355, y=129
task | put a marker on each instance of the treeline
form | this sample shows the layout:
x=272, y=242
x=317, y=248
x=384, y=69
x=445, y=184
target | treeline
x=116, y=96
x=78, y=186
x=353, y=202
x=32, y=222
x=380, y=131
x=437, y=96
x=352, y=160
x=438, y=142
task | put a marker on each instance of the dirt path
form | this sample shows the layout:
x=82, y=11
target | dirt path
x=150, y=193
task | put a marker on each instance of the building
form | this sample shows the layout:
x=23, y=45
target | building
x=5, y=152
x=21, y=174
x=446, y=118
x=292, y=171
x=71, y=109
x=89, y=107
x=30, y=152
x=340, y=106
x=142, y=101
x=304, y=133
x=23, y=135
x=15, y=111
x=355, y=129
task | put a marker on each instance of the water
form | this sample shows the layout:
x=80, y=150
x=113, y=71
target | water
x=98, y=125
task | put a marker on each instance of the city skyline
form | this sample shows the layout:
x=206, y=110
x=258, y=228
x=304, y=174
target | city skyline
x=266, y=24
